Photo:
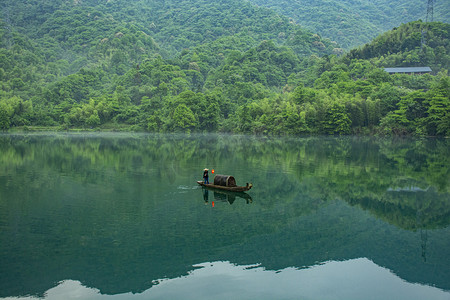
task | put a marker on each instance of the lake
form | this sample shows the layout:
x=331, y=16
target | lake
x=120, y=216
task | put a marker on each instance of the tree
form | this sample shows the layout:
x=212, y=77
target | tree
x=211, y=117
x=154, y=122
x=183, y=119
x=299, y=96
x=415, y=109
x=438, y=120
x=5, y=121
x=245, y=121
x=337, y=120
x=389, y=97
x=394, y=123
x=93, y=120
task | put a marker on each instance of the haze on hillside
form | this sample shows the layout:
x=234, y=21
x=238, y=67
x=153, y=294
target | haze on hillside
x=354, y=23
x=220, y=66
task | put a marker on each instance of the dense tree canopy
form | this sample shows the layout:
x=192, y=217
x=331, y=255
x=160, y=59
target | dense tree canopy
x=354, y=23
x=194, y=66
x=412, y=44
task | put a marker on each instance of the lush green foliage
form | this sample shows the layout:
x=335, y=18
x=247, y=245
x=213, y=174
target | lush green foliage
x=402, y=47
x=193, y=66
x=354, y=23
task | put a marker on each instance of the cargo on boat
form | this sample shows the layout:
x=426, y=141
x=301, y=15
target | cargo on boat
x=226, y=182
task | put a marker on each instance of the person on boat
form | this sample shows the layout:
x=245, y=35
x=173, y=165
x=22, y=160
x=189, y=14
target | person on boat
x=205, y=176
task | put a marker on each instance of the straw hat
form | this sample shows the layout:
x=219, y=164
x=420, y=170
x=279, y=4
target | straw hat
x=206, y=169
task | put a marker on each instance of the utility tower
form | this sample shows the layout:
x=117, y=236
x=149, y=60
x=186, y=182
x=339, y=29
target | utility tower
x=429, y=17
x=430, y=11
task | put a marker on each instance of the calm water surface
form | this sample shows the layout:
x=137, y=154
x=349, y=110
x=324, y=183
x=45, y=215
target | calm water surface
x=119, y=216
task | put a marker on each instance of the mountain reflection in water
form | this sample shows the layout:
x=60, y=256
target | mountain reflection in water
x=217, y=280
x=122, y=214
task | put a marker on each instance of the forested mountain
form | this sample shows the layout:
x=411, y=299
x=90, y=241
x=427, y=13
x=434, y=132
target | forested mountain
x=403, y=47
x=353, y=23
x=175, y=25
x=198, y=65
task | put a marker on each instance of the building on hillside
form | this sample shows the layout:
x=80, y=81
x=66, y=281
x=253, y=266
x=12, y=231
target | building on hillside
x=409, y=70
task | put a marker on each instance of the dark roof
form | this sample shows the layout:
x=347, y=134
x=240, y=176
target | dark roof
x=408, y=70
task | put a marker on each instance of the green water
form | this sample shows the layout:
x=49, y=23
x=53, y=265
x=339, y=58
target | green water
x=99, y=216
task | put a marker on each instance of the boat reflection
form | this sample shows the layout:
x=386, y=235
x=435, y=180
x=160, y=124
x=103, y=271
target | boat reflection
x=225, y=196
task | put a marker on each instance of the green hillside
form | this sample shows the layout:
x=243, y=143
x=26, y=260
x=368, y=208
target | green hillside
x=196, y=66
x=354, y=23
x=175, y=25
x=402, y=47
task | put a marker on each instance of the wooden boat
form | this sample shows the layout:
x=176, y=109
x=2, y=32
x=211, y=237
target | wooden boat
x=227, y=188
x=226, y=183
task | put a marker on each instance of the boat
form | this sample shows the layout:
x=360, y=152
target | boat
x=227, y=188
x=226, y=183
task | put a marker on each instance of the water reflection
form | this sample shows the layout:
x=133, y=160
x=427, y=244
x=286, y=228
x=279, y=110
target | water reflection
x=223, y=280
x=205, y=195
x=116, y=212
x=225, y=196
